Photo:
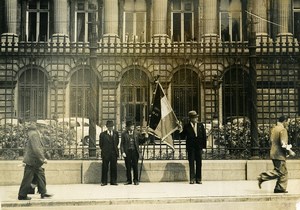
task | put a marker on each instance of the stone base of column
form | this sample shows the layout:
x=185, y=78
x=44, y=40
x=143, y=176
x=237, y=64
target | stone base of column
x=8, y=42
x=263, y=42
x=110, y=38
x=161, y=38
x=60, y=38
x=9, y=38
x=211, y=38
x=286, y=39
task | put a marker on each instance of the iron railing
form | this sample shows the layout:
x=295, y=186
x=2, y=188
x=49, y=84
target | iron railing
x=219, y=93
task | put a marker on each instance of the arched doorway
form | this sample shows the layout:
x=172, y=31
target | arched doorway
x=80, y=92
x=235, y=94
x=185, y=93
x=33, y=87
x=135, y=96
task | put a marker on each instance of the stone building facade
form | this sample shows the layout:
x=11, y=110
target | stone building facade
x=98, y=58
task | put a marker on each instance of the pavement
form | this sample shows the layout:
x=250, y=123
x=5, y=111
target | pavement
x=212, y=193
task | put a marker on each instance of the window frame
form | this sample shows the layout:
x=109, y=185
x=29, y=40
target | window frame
x=87, y=12
x=135, y=37
x=230, y=23
x=38, y=12
x=182, y=13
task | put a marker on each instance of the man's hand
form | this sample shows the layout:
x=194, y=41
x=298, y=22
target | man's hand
x=45, y=161
x=292, y=153
x=179, y=126
x=124, y=155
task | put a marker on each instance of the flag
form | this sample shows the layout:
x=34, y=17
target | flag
x=163, y=121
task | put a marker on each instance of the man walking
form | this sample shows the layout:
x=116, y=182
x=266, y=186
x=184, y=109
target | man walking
x=278, y=153
x=130, y=141
x=109, y=141
x=195, y=135
x=33, y=159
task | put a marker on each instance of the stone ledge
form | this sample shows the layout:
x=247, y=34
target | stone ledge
x=81, y=171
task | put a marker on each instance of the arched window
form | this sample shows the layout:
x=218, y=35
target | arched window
x=33, y=94
x=235, y=93
x=185, y=93
x=79, y=92
x=135, y=96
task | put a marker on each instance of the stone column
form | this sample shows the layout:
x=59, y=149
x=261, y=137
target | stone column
x=111, y=14
x=160, y=8
x=284, y=17
x=60, y=17
x=210, y=17
x=11, y=17
x=260, y=24
x=60, y=21
x=259, y=8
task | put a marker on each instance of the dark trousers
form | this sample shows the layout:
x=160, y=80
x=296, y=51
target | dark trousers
x=109, y=162
x=131, y=162
x=195, y=156
x=31, y=173
x=279, y=172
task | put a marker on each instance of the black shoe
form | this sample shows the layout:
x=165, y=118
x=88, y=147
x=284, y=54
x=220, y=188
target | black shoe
x=136, y=183
x=260, y=181
x=128, y=183
x=191, y=182
x=103, y=184
x=46, y=195
x=24, y=197
x=280, y=191
x=113, y=184
x=198, y=182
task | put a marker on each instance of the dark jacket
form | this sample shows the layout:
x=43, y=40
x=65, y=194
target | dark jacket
x=125, y=141
x=191, y=141
x=34, y=150
x=278, y=137
x=105, y=141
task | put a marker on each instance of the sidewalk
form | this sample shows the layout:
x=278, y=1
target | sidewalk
x=216, y=192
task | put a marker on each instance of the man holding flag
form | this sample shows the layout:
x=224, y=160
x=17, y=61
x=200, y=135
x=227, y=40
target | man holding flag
x=195, y=135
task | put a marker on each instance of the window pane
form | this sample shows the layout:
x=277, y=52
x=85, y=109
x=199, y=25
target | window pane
x=89, y=27
x=236, y=27
x=32, y=26
x=297, y=25
x=176, y=26
x=188, y=32
x=43, y=26
x=80, y=26
x=32, y=5
x=44, y=4
x=177, y=5
x=225, y=26
x=80, y=5
x=129, y=24
x=140, y=25
x=296, y=4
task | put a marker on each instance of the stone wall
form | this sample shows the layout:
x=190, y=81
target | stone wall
x=77, y=172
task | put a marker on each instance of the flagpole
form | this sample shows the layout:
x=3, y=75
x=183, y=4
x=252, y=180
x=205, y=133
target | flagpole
x=147, y=142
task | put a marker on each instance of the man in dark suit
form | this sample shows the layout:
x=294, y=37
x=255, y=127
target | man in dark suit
x=34, y=159
x=109, y=141
x=195, y=135
x=130, y=141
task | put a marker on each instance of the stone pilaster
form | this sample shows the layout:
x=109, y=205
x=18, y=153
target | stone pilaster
x=160, y=8
x=111, y=13
x=60, y=21
x=210, y=21
x=11, y=15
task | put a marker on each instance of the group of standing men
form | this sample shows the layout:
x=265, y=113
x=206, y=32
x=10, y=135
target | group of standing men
x=194, y=133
